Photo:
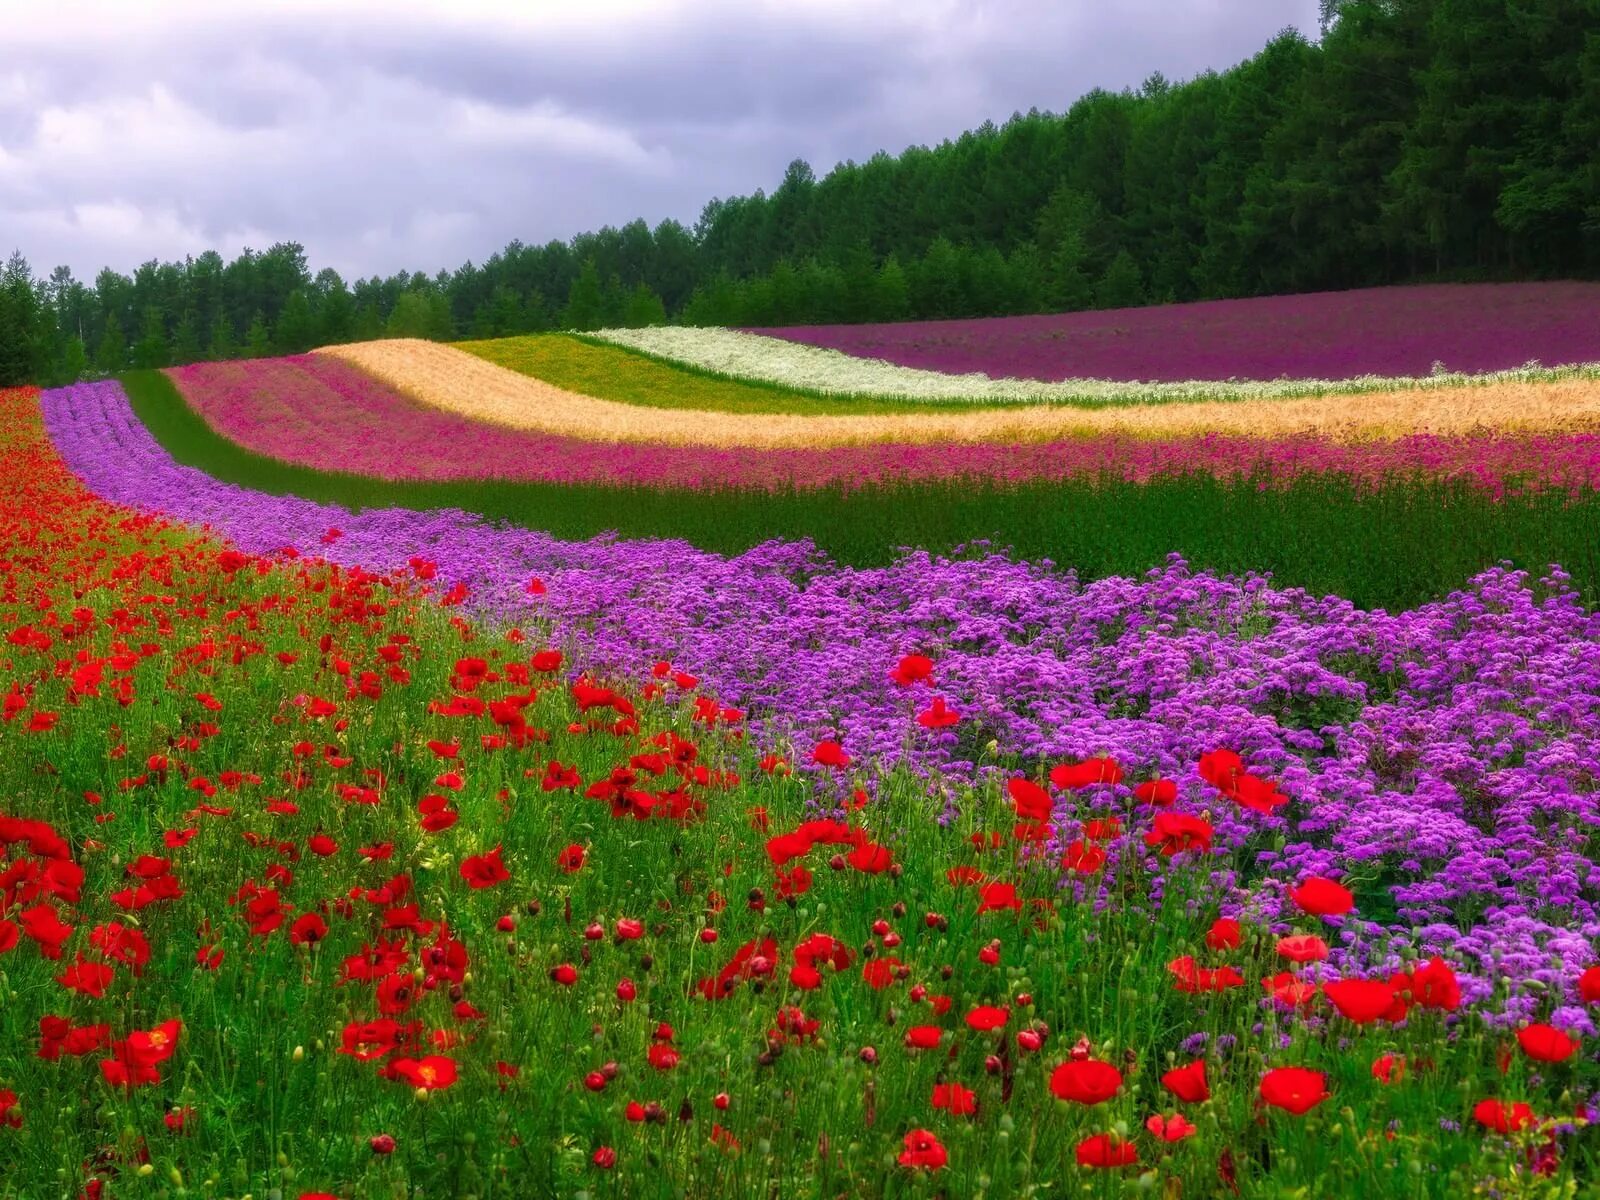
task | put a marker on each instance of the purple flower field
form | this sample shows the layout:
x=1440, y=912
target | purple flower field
x=1446, y=755
x=316, y=411
x=1329, y=335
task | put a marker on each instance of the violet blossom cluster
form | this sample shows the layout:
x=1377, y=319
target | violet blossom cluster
x=1449, y=755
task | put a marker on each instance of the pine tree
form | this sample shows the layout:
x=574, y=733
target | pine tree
x=644, y=308
x=186, y=339
x=73, y=363
x=222, y=345
x=258, y=338
x=296, y=329
x=1121, y=285
x=151, y=350
x=585, y=302
x=111, y=355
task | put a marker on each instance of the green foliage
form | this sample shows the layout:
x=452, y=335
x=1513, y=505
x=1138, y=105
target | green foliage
x=296, y=330
x=1392, y=547
x=111, y=355
x=258, y=338
x=585, y=302
x=151, y=349
x=24, y=347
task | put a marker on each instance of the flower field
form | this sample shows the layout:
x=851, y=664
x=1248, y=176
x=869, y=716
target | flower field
x=376, y=821
x=1401, y=331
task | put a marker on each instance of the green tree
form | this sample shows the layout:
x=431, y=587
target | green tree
x=412, y=317
x=296, y=329
x=585, y=308
x=111, y=354
x=223, y=346
x=891, y=298
x=644, y=308
x=152, y=349
x=186, y=339
x=258, y=338
x=23, y=343
x=1121, y=285
x=73, y=363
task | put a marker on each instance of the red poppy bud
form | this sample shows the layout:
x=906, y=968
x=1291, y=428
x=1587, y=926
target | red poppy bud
x=880, y=927
x=566, y=974
x=594, y=1081
x=626, y=991
x=931, y=920
x=869, y=1056
x=891, y=939
x=609, y=1070
x=708, y=936
x=837, y=862
x=1028, y=1040
x=506, y=924
x=720, y=1100
x=605, y=1158
x=381, y=1143
x=594, y=931
x=992, y=1064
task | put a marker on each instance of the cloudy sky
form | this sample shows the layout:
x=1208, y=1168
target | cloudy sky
x=399, y=135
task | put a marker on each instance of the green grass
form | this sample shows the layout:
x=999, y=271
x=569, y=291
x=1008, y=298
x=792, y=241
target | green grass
x=1391, y=547
x=595, y=368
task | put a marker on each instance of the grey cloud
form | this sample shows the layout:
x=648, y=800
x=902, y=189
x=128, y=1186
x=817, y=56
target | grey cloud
x=403, y=143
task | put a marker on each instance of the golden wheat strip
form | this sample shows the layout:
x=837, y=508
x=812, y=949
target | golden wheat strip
x=458, y=382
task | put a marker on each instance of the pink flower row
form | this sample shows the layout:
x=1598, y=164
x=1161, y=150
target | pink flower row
x=318, y=412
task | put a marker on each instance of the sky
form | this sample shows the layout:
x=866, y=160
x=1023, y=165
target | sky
x=418, y=136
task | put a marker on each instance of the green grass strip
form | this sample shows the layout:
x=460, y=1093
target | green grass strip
x=1392, y=547
x=595, y=368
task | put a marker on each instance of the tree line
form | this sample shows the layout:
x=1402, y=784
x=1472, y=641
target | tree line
x=1414, y=139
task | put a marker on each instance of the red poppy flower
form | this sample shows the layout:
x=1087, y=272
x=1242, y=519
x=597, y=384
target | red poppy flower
x=1223, y=934
x=1303, y=948
x=1085, y=1081
x=830, y=754
x=1503, y=1116
x=1545, y=1043
x=994, y=896
x=1069, y=776
x=1289, y=990
x=1388, y=1068
x=1294, y=1089
x=1170, y=1129
x=957, y=1100
x=1032, y=802
x=986, y=1018
x=484, y=870
x=1188, y=1083
x=1157, y=792
x=923, y=1151
x=1174, y=832
x=1362, y=1000
x=309, y=928
x=938, y=715
x=1106, y=1150
x=1323, y=897
x=1083, y=857
x=1435, y=986
x=913, y=668
x=923, y=1037
x=1588, y=985
x=570, y=860
x=434, y=1071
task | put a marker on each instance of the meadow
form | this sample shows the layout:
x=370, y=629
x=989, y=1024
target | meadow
x=402, y=801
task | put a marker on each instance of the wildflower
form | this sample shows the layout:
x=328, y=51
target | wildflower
x=1294, y=1089
x=1085, y=1081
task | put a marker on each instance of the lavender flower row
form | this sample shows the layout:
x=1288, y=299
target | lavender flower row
x=1326, y=335
x=1451, y=752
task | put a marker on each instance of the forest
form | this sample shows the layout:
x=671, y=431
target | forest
x=1411, y=140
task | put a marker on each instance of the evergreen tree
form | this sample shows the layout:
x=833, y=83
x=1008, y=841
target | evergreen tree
x=111, y=355
x=186, y=339
x=1120, y=286
x=335, y=311
x=222, y=345
x=73, y=363
x=644, y=308
x=410, y=318
x=369, y=323
x=296, y=329
x=585, y=308
x=23, y=342
x=258, y=338
x=891, y=300
x=152, y=350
